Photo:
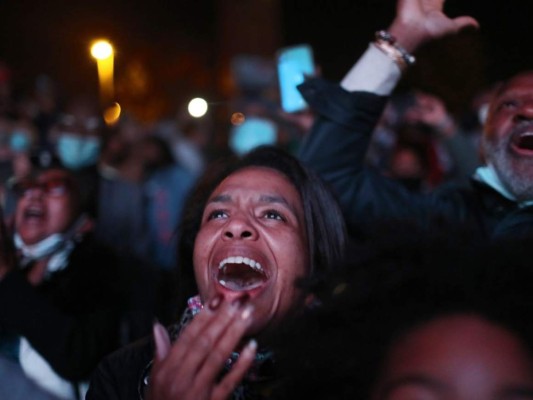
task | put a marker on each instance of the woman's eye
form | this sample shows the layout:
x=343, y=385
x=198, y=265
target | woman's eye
x=216, y=214
x=272, y=214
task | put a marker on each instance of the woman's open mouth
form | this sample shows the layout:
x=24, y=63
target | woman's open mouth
x=240, y=274
x=33, y=214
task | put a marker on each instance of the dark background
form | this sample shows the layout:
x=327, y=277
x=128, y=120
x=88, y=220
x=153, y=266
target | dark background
x=183, y=46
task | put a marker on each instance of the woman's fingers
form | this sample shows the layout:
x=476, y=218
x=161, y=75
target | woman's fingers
x=158, y=388
x=226, y=344
x=199, y=335
x=162, y=342
x=189, y=334
x=190, y=367
x=237, y=373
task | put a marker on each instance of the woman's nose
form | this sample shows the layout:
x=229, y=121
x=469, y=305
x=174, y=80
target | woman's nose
x=239, y=227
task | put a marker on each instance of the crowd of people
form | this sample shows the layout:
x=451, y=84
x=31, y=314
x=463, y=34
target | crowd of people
x=382, y=256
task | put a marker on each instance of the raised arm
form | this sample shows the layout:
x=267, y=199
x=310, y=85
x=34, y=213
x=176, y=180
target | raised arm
x=416, y=23
x=347, y=114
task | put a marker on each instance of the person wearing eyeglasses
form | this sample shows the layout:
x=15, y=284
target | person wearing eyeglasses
x=61, y=306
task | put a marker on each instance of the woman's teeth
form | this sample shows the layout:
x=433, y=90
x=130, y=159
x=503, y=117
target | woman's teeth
x=240, y=260
x=240, y=273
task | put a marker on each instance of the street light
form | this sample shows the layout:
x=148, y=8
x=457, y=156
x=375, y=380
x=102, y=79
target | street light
x=103, y=52
x=101, y=49
x=197, y=107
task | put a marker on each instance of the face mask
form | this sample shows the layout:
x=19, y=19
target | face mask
x=76, y=151
x=41, y=249
x=19, y=141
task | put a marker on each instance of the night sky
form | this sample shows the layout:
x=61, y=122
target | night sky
x=52, y=37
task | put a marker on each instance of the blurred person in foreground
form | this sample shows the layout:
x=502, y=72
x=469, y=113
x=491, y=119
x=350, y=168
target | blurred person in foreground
x=417, y=317
x=499, y=198
x=59, y=289
x=253, y=227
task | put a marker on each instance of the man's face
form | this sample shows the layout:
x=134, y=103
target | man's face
x=253, y=241
x=78, y=135
x=46, y=206
x=81, y=118
x=508, y=137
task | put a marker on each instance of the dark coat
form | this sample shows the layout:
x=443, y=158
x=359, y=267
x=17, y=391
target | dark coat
x=71, y=319
x=119, y=375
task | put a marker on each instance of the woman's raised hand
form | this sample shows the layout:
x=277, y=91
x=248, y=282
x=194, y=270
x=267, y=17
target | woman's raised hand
x=190, y=368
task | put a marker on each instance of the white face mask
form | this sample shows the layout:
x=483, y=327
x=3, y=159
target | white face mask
x=40, y=249
x=77, y=151
x=57, y=246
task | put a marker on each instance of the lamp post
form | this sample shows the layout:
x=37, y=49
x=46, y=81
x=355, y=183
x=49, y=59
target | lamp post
x=103, y=52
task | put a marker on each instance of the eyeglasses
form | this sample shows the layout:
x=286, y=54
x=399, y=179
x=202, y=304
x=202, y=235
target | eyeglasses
x=71, y=122
x=54, y=187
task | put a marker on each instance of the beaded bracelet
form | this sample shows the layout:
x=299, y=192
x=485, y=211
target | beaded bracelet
x=386, y=42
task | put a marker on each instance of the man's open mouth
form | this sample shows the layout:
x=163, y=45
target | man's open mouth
x=523, y=141
x=240, y=273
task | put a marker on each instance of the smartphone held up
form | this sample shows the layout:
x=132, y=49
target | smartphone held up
x=294, y=64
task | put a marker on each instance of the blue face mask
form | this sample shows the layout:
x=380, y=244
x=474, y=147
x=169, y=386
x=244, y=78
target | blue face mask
x=19, y=141
x=253, y=132
x=76, y=151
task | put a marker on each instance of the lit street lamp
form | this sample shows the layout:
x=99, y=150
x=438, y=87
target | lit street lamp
x=102, y=51
x=197, y=107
